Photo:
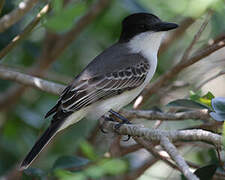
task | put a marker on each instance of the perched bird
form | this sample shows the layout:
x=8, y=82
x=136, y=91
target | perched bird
x=111, y=80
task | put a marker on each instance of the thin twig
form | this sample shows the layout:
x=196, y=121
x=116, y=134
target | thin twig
x=9, y=19
x=25, y=32
x=210, y=79
x=172, y=151
x=196, y=37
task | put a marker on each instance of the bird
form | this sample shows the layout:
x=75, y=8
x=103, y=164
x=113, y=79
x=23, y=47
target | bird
x=112, y=80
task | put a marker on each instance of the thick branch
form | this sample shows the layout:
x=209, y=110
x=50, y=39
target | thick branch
x=155, y=115
x=155, y=134
x=172, y=151
x=31, y=81
x=9, y=19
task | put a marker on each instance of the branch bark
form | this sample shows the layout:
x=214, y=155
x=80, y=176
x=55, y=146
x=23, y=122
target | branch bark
x=155, y=115
x=175, y=135
x=25, y=32
x=196, y=37
x=9, y=19
x=28, y=80
x=172, y=151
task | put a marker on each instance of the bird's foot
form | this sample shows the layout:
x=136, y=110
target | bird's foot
x=106, y=118
x=123, y=121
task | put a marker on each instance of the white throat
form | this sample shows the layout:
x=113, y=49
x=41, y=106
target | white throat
x=147, y=44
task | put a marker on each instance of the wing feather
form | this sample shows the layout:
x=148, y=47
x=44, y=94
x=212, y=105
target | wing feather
x=101, y=87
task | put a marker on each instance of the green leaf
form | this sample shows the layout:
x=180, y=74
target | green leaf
x=67, y=175
x=195, y=95
x=209, y=96
x=70, y=162
x=57, y=5
x=187, y=104
x=95, y=172
x=114, y=166
x=206, y=99
x=88, y=150
x=206, y=172
x=65, y=19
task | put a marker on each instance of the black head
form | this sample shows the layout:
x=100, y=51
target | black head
x=142, y=22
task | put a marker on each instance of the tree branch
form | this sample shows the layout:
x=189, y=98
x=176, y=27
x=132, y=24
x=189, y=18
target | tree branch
x=196, y=37
x=155, y=115
x=151, y=149
x=172, y=151
x=28, y=80
x=25, y=32
x=175, y=135
x=9, y=19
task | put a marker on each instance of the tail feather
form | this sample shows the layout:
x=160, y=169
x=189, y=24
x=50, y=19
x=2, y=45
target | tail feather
x=40, y=144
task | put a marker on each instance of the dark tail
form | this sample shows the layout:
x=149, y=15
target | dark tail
x=40, y=144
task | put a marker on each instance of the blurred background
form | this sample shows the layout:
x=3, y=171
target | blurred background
x=69, y=155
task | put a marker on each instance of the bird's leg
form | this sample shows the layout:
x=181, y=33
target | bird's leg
x=123, y=121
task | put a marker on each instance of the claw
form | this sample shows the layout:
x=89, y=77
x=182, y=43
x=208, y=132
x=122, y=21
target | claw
x=128, y=138
x=106, y=118
x=102, y=130
x=124, y=121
